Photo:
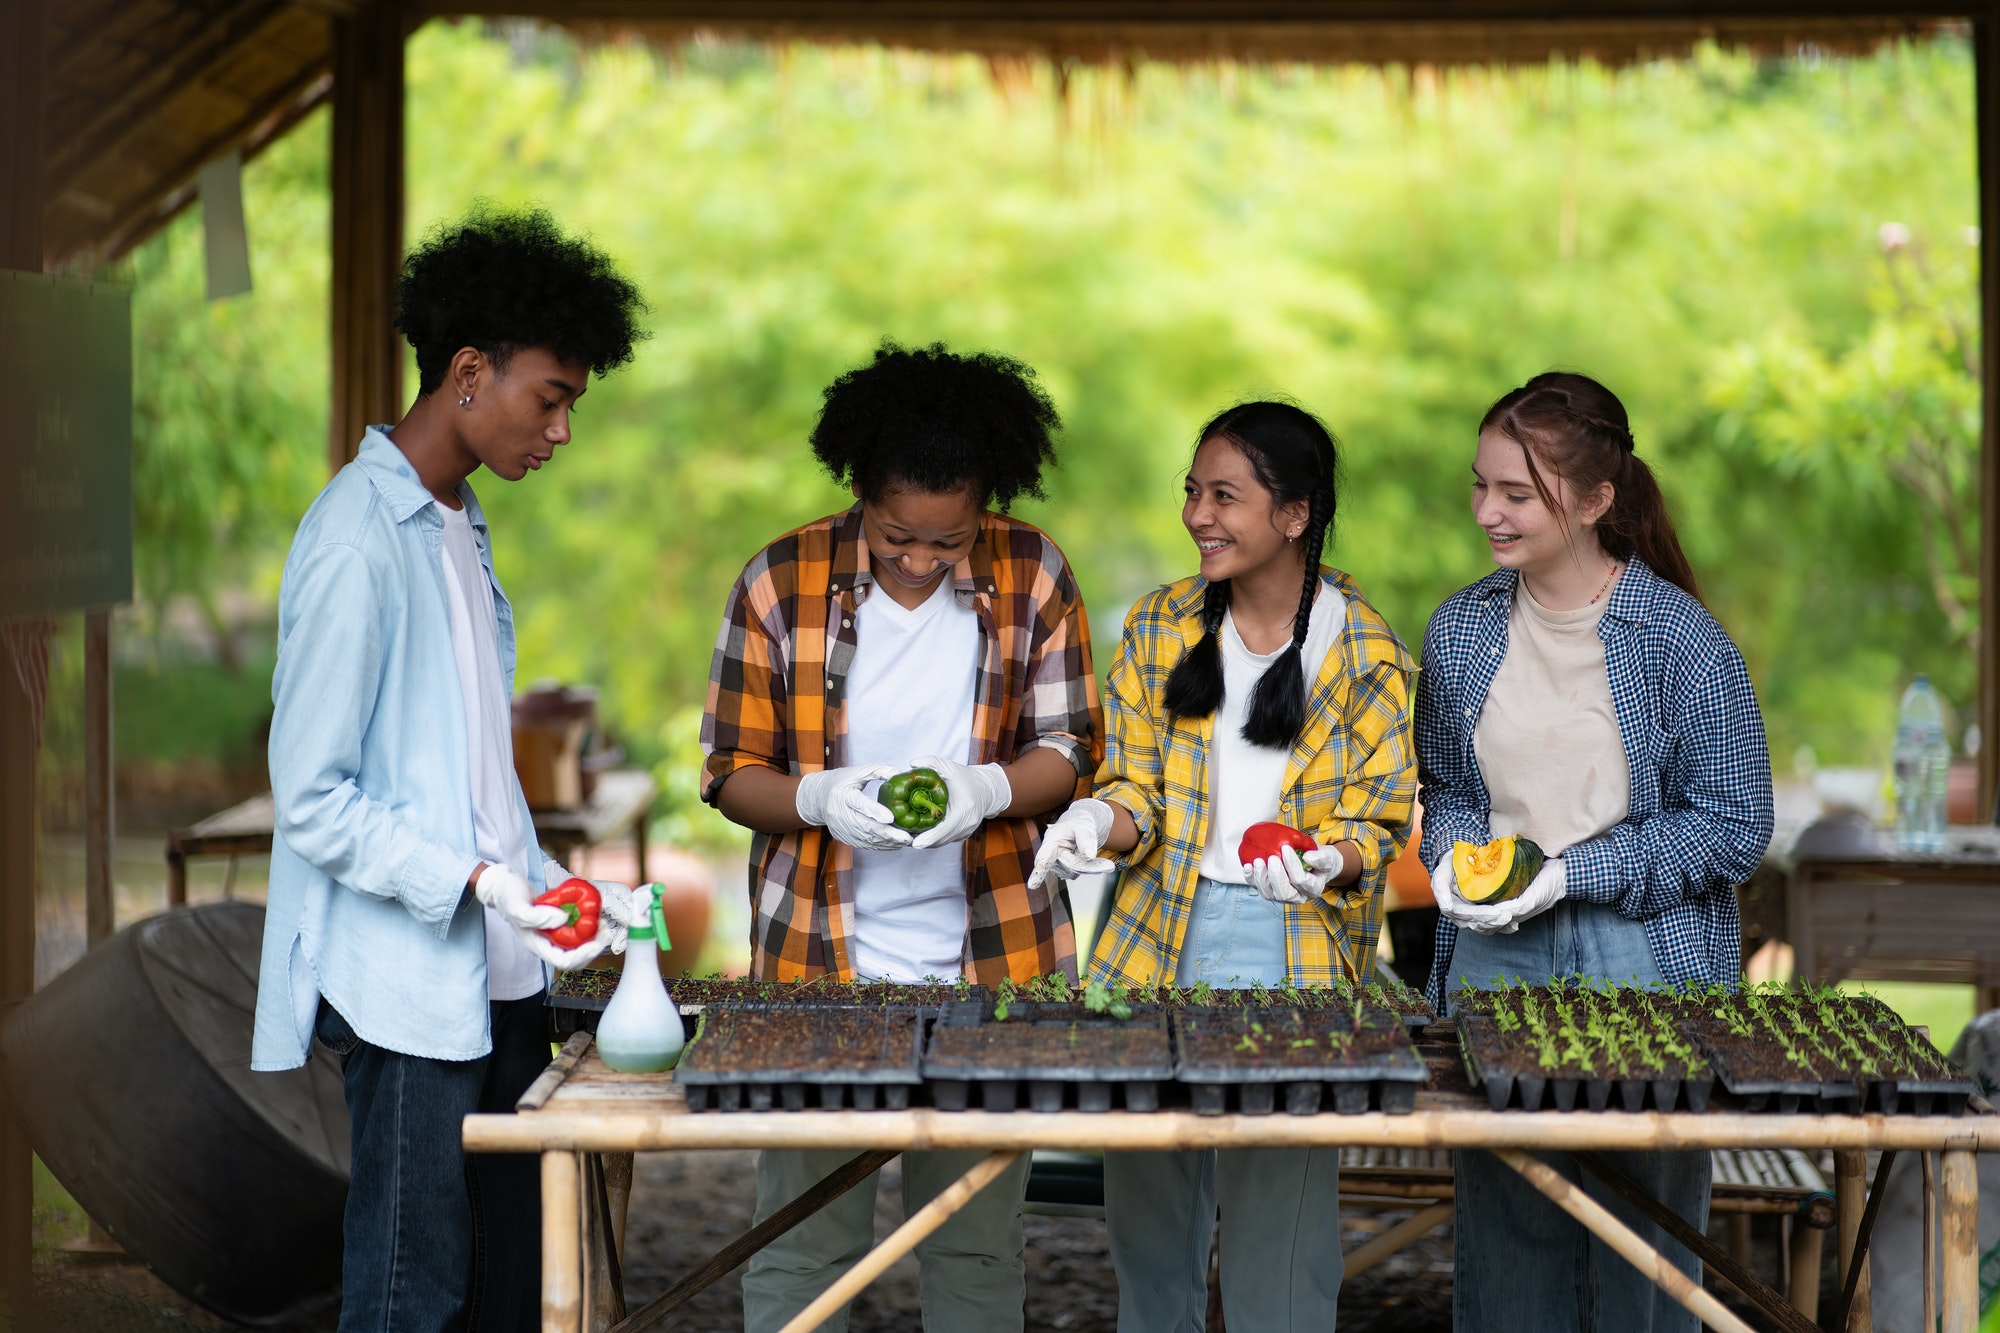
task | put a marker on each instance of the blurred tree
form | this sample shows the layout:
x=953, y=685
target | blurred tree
x=1392, y=248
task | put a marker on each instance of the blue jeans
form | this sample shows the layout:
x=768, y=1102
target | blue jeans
x=1520, y=1264
x=1281, y=1261
x=439, y=1240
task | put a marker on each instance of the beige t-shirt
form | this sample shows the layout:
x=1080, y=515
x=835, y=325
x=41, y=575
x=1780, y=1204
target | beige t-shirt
x=1547, y=740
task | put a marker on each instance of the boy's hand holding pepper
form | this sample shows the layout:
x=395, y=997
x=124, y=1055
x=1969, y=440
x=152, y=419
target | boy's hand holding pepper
x=833, y=800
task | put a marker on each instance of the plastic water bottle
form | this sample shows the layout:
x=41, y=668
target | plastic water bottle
x=641, y=1031
x=1922, y=758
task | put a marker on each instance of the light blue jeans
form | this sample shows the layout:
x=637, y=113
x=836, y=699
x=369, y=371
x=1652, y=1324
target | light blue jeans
x=1281, y=1260
x=1521, y=1265
x=971, y=1276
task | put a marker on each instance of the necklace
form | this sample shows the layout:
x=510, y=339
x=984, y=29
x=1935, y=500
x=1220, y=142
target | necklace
x=1616, y=565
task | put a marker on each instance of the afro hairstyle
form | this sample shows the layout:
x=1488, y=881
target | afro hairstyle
x=504, y=281
x=936, y=421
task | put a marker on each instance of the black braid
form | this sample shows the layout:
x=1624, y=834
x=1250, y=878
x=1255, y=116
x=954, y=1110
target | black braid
x=1194, y=688
x=1278, y=706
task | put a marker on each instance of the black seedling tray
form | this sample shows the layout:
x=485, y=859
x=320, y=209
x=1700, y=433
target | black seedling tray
x=1664, y=1091
x=1892, y=1096
x=577, y=998
x=998, y=1083
x=1383, y=1082
x=889, y=1085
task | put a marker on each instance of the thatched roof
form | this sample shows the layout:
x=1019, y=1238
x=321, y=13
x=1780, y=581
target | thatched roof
x=141, y=93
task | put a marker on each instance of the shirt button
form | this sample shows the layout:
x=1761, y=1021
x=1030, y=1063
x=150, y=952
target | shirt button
x=829, y=749
x=847, y=622
x=1468, y=712
x=992, y=588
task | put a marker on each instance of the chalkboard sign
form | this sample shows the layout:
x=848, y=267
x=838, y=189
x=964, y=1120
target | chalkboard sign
x=65, y=445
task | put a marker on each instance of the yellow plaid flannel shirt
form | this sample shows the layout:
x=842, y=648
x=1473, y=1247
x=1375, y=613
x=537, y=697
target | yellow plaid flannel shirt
x=1351, y=776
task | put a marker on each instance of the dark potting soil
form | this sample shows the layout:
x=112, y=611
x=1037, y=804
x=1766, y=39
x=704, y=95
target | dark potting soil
x=833, y=1041
x=1860, y=1055
x=1394, y=997
x=1288, y=1038
x=690, y=991
x=1041, y=1040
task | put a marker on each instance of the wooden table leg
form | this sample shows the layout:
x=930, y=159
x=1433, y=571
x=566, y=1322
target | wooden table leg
x=1623, y=1239
x=177, y=879
x=562, y=1243
x=1958, y=1183
x=1366, y=1256
x=904, y=1239
x=1850, y=1194
x=1930, y=1241
x=1808, y=1242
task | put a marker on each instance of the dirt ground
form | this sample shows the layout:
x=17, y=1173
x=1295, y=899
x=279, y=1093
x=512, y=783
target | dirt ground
x=686, y=1206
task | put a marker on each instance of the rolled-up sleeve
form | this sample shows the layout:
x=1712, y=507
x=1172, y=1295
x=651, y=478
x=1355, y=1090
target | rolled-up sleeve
x=744, y=724
x=1059, y=706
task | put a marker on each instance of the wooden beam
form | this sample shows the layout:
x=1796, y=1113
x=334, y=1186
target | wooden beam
x=140, y=101
x=100, y=823
x=21, y=114
x=367, y=222
x=1986, y=136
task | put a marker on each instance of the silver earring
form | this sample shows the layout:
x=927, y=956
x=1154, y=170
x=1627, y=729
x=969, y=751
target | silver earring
x=465, y=401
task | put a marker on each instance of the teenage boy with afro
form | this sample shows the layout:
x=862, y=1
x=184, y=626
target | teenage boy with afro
x=919, y=627
x=401, y=929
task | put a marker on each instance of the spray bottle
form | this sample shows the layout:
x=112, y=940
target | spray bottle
x=641, y=1031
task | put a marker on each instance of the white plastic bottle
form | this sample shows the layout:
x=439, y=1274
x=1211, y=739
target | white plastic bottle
x=1922, y=763
x=641, y=1031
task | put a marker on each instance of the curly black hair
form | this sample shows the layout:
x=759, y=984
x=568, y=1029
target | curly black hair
x=937, y=421
x=502, y=281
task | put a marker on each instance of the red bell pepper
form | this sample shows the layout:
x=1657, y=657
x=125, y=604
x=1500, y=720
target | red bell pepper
x=582, y=903
x=1264, y=840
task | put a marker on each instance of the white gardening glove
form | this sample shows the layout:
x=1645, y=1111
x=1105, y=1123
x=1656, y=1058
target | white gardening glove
x=833, y=800
x=1289, y=877
x=510, y=896
x=616, y=913
x=973, y=796
x=1542, y=893
x=1070, y=846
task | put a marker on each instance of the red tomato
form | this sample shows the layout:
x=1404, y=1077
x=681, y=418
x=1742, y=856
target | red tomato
x=1262, y=840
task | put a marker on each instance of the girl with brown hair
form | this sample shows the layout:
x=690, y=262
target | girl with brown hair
x=1581, y=696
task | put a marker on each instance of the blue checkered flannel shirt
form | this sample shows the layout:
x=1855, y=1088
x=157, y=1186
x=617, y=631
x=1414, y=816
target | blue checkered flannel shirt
x=1694, y=738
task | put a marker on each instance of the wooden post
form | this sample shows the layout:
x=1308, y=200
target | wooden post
x=367, y=222
x=1850, y=1192
x=562, y=1243
x=1986, y=136
x=1802, y=1286
x=21, y=199
x=100, y=822
x=1958, y=1182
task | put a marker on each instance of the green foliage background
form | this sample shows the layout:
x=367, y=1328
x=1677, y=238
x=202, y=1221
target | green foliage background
x=1392, y=248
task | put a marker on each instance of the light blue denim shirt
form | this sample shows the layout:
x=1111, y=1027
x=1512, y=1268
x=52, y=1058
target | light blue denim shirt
x=369, y=774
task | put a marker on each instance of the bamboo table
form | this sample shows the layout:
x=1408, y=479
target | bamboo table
x=579, y=1109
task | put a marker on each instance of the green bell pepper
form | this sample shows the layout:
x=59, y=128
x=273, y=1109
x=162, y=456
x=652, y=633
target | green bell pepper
x=916, y=799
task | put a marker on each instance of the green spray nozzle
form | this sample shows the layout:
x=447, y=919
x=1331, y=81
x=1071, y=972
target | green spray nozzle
x=652, y=921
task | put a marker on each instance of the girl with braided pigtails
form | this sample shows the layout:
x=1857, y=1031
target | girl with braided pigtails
x=1264, y=688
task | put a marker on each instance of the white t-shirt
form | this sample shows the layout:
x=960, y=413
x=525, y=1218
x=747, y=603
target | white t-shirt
x=1547, y=739
x=910, y=692
x=1245, y=780
x=512, y=973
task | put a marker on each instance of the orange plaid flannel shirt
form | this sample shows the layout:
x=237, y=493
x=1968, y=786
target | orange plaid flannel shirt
x=777, y=699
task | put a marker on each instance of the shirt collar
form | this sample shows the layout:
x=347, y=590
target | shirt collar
x=405, y=493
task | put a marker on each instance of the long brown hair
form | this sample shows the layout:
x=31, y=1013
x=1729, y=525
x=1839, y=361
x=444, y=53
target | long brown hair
x=1578, y=429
